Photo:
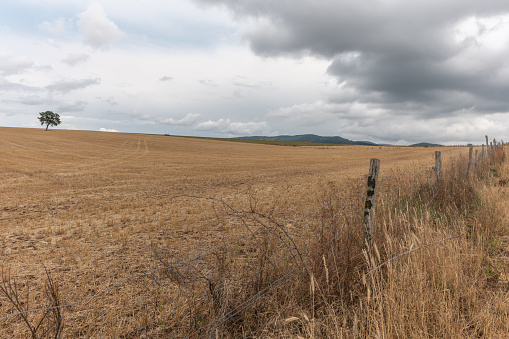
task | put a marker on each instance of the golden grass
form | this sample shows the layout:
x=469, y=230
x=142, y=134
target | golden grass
x=448, y=278
x=92, y=207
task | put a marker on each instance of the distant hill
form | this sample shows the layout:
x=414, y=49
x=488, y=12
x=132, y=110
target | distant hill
x=311, y=138
x=425, y=144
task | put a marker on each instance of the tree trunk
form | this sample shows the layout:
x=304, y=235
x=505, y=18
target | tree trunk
x=47, y=125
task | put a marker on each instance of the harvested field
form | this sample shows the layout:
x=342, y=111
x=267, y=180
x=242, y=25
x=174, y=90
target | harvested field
x=92, y=206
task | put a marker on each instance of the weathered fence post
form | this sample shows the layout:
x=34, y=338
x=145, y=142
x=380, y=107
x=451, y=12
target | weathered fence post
x=476, y=162
x=487, y=146
x=470, y=151
x=369, y=207
x=494, y=144
x=482, y=153
x=438, y=165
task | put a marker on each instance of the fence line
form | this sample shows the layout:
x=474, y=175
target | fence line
x=284, y=239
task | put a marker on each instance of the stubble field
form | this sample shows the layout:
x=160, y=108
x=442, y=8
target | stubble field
x=90, y=207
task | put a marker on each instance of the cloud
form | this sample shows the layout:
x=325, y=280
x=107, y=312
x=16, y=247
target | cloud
x=366, y=121
x=98, y=31
x=72, y=106
x=66, y=86
x=423, y=59
x=74, y=59
x=208, y=83
x=11, y=65
x=235, y=128
x=34, y=100
x=6, y=85
x=242, y=81
x=188, y=120
x=102, y=129
x=57, y=27
x=313, y=114
x=166, y=78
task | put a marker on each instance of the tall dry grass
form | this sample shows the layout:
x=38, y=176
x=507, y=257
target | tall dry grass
x=436, y=269
x=428, y=273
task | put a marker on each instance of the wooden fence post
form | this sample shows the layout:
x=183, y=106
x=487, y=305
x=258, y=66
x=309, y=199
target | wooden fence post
x=470, y=151
x=438, y=165
x=476, y=162
x=369, y=207
x=494, y=144
x=482, y=153
x=487, y=146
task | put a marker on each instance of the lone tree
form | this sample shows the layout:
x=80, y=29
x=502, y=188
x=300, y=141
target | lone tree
x=49, y=118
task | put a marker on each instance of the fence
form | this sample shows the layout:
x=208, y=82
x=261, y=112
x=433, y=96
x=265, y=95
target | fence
x=232, y=288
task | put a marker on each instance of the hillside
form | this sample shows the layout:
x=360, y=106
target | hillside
x=425, y=144
x=335, y=140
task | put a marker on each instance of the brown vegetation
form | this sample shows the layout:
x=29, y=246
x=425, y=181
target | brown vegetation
x=94, y=208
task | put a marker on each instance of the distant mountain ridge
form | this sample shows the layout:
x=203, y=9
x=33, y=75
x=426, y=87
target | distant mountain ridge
x=425, y=144
x=336, y=140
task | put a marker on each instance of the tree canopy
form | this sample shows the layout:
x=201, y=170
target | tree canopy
x=49, y=118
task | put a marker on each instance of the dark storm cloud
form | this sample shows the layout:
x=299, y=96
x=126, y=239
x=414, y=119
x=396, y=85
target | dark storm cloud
x=327, y=27
x=407, y=57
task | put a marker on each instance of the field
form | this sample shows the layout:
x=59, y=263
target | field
x=90, y=207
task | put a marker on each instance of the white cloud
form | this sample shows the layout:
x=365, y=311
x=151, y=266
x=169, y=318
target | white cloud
x=98, y=31
x=66, y=86
x=72, y=106
x=208, y=82
x=59, y=26
x=235, y=128
x=6, y=85
x=74, y=59
x=188, y=120
x=10, y=64
x=102, y=129
x=33, y=100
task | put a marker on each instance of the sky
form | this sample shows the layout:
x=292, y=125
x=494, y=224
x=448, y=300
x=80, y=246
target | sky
x=386, y=71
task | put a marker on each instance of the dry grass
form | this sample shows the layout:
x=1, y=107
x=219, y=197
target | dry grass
x=94, y=208
x=448, y=278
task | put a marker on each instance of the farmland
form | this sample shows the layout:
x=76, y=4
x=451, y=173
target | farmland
x=91, y=206
x=72, y=187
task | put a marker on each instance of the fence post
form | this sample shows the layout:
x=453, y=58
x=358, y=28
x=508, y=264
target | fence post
x=494, y=144
x=476, y=162
x=487, y=146
x=438, y=165
x=369, y=207
x=470, y=151
x=482, y=153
